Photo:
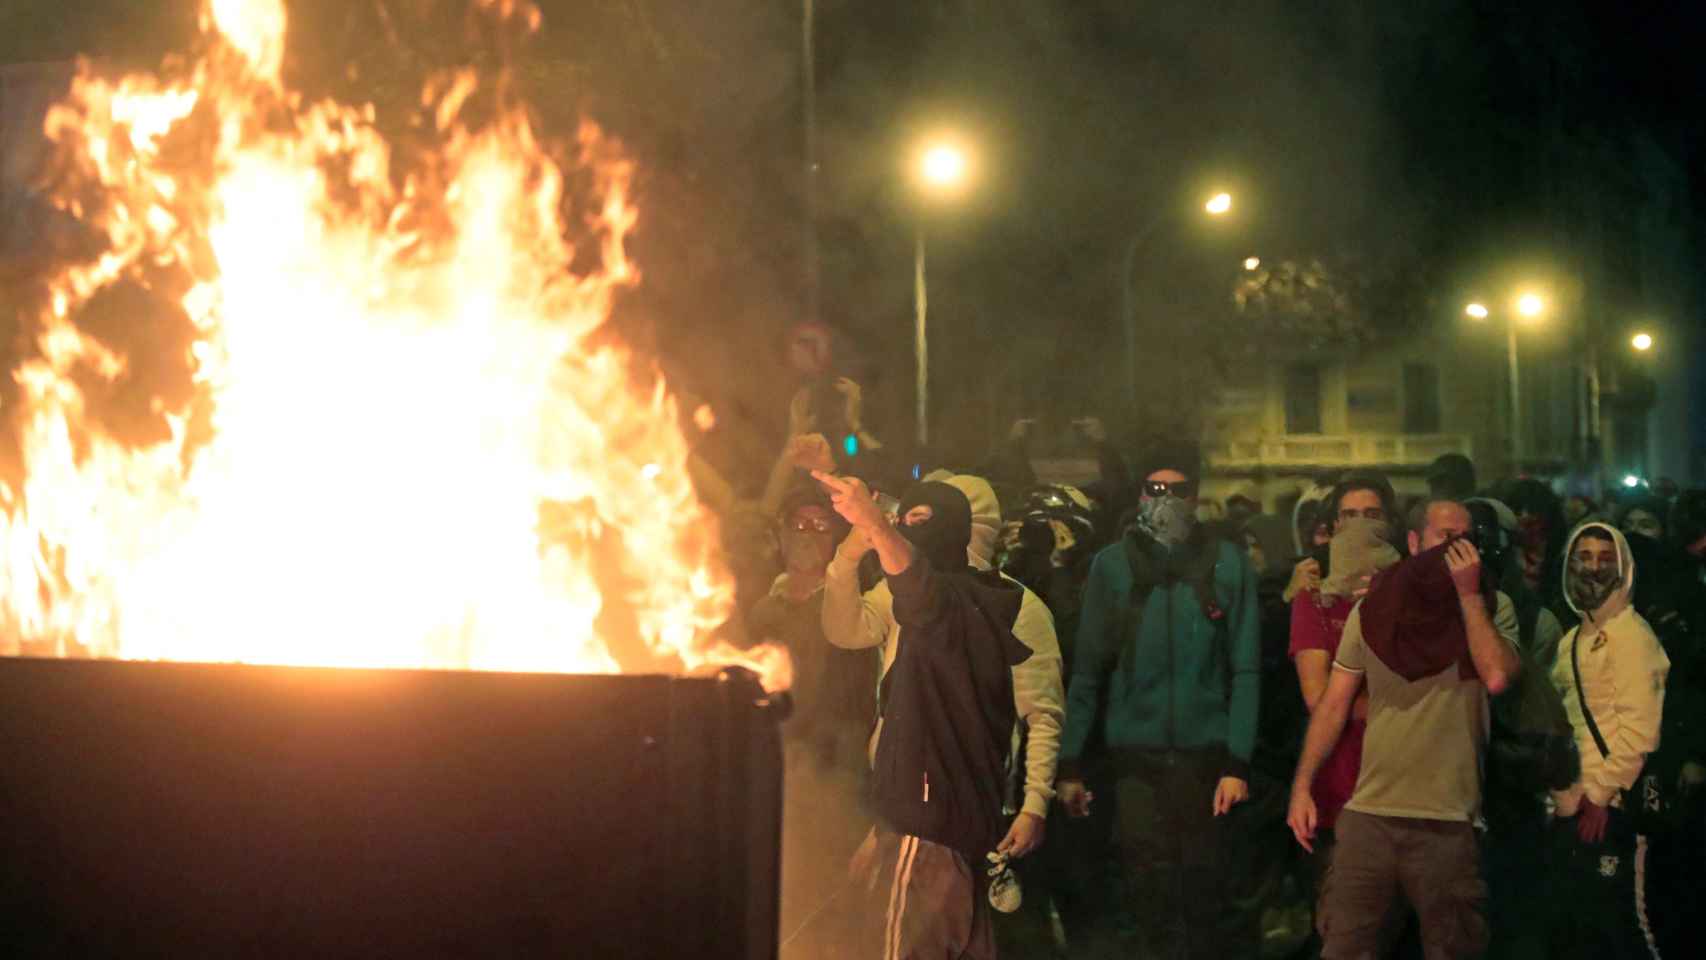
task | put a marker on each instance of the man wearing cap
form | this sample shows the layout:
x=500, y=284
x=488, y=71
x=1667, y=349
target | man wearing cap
x=1170, y=635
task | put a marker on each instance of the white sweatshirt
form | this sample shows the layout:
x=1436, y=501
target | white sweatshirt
x=1623, y=672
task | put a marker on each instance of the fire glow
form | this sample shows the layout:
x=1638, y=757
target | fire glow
x=414, y=455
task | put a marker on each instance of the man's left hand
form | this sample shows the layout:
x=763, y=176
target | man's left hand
x=1025, y=835
x=1590, y=822
x=1229, y=793
x=1464, y=562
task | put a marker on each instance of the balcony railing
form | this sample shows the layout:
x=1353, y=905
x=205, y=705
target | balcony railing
x=1323, y=450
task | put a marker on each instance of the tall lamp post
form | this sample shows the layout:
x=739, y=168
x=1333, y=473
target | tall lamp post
x=941, y=172
x=1528, y=306
x=1216, y=206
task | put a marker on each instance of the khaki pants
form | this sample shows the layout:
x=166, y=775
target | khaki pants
x=1435, y=864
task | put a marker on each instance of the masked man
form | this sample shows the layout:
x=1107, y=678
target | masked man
x=1610, y=673
x=947, y=713
x=1169, y=637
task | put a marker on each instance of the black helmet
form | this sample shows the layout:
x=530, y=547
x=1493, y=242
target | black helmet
x=1045, y=507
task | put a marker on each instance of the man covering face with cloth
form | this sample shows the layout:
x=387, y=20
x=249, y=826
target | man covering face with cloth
x=1430, y=644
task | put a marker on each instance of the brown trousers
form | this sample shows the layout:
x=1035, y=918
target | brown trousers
x=1435, y=864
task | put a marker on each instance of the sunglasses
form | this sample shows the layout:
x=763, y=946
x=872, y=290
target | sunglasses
x=1183, y=489
x=809, y=525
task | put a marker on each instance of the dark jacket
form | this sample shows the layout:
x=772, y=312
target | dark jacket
x=947, y=706
x=1171, y=682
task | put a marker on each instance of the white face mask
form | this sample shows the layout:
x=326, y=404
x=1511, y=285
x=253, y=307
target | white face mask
x=1168, y=519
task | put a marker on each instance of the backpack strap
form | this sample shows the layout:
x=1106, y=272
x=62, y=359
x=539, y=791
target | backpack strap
x=1144, y=579
x=1201, y=577
x=1582, y=697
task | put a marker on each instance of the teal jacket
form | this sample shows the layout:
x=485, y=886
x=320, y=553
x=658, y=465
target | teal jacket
x=1169, y=683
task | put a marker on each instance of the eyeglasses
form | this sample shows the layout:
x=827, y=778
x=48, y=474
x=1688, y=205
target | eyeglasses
x=809, y=525
x=1183, y=489
x=1370, y=513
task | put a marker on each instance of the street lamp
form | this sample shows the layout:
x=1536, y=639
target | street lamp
x=1642, y=342
x=942, y=171
x=1252, y=263
x=1217, y=205
x=1528, y=306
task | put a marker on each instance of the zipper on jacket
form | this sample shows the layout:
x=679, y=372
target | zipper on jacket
x=1172, y=705
x=926, y=786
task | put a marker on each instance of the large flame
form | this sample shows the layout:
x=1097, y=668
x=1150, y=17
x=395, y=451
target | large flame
x=415, y=456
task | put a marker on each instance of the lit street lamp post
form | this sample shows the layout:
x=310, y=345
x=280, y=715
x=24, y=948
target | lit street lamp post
x=1218, y=205
x=942, y=169
x=1530, y=306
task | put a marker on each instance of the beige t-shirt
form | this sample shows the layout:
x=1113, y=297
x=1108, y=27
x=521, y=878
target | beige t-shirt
x=1422, y=753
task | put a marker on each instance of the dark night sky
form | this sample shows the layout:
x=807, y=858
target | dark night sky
x=1398, y=132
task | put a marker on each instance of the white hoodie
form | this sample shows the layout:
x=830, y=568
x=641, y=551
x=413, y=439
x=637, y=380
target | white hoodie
x=1623, y=671
x=858, y=622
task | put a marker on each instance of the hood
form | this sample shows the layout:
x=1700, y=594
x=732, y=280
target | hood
x=1275, y=536
x=1310, y=500
x=985, y=518
x=1619, y=600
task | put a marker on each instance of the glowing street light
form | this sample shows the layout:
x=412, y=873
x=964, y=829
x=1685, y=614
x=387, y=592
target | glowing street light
x=942, y=169
x=1642, y=342
x=1529, y=306
x=1251, y=263
x=943, y=166
x=1218, y=204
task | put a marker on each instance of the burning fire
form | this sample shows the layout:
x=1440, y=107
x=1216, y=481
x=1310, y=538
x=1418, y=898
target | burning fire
x=411, y=453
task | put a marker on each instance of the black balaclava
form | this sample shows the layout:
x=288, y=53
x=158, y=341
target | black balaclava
x=944, y=539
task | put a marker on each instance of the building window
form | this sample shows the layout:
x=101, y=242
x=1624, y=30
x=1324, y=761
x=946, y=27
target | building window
x=1303, y=398
x=1421, y=398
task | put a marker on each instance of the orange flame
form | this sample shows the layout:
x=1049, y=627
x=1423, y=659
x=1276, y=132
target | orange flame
x=416, y=456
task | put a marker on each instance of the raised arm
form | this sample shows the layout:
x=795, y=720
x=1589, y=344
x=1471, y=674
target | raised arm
x=1496, y=660
x=850, y=619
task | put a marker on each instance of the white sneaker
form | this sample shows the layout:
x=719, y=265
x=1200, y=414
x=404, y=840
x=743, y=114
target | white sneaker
x=1004, y=892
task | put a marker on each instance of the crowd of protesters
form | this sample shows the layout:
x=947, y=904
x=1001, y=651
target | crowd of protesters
x=1119, y=720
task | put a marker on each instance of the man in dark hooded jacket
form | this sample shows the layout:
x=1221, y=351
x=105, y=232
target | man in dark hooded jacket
x=947, y=712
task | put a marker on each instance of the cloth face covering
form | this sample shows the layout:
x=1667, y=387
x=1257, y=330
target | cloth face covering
x=1168, y=519
x=1589, y=589
x=943, y=538
x=1359, y=550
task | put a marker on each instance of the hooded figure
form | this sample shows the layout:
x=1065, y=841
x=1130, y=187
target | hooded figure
x=1610, y=674
x=1621, y=668
x=856, y=620
x=945, y=537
